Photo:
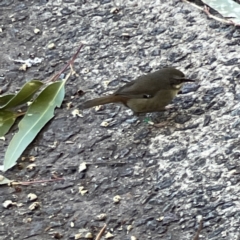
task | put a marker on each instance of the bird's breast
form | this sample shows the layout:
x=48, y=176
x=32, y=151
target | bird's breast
x=155, y=104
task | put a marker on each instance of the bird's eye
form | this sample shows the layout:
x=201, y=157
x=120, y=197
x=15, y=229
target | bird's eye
x=147, y=96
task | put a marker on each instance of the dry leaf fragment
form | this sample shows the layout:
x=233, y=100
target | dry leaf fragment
x=88, y=235
x=8, y=203
x=101, y=216
x=105, y=83
x=82, y=167
x=76, y=112
x=34, y=206
x=129, y=228
x=77, y=236
x=97, y=108
x=51, y=46
x=160, y=218
x=54, y=145
x=115, y=10
x=116, y=199
x=32, y=196
x=104, y=124
x=27, y=220
x=32, y=159
x=109, y=235
x=133, y=238
x=23, y=67
x=36, y=30
x=31, y=167
x=82, y=191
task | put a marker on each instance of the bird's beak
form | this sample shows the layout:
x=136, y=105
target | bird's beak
x=179, y=81
x=182, y=79
x=187, y=80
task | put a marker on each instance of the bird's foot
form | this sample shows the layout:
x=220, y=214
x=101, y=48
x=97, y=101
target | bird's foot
x=162, y=124
x=168, y=122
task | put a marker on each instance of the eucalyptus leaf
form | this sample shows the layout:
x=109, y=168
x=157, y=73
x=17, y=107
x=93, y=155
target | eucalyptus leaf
x=24, y=95
x=7, y=119
x=227, y=8
x=4, y=180
x=5, y=99
x=38, y=114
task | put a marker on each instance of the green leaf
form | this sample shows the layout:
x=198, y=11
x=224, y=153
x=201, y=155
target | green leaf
x=38, y=114
x=7, y=118
x=4, y=180
x=227, y=8
x=24, y=95
x=5, y=99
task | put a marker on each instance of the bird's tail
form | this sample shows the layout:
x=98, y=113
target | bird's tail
x=101, y=101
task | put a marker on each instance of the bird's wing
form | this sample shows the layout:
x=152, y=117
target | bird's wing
x=139, y=88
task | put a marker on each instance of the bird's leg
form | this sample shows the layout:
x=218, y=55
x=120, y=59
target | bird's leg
x=169, y=120
x=162, y=124
x=165, y=123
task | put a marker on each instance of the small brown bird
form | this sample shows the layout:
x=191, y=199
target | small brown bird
x=148, y=93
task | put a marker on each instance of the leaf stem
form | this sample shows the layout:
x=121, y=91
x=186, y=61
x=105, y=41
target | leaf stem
x=70, y=62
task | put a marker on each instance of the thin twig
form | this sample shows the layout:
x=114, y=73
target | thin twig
x=98, y=237
x=106, y=163
x=70, y=62
x=38, y=181
x=196, y=237
x=20, y=114
x=206, y=10
x=193, y=4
